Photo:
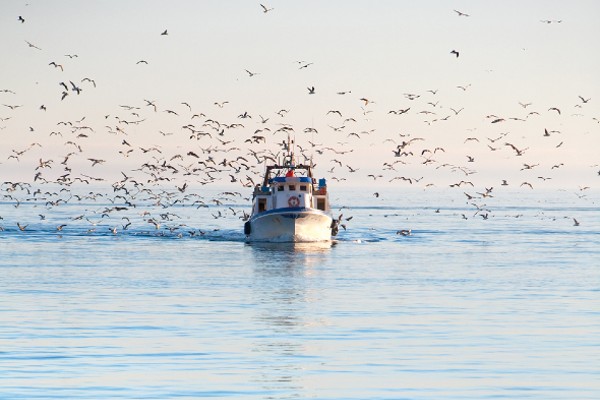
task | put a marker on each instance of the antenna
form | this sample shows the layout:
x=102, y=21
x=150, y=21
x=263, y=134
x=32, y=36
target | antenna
x=312, y=139
x=290, y=149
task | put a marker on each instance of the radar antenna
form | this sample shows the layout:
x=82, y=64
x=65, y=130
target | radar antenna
x=290, y=159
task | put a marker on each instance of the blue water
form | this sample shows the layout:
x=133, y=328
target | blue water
x=503, y=307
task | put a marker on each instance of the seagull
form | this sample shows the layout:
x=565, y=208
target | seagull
x=89, y=80
x=164, y=33
x=411, y=96
x=311, y=90
x=528, y=166
x=21, y=19
x=527, y=184
x=584, y=100
x=57, y=65
x=456, y=53
x=546, y=133
x=154, y=222
x=96, y=161
x=32, y=45
x=265, y=9
x=518, y=151
x=461, y=14
x=251, y=74
x=75, y=88
x=399, y=112
x=575, y=222
x=554, y=109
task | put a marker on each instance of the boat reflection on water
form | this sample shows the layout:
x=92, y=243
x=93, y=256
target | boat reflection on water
x=288, y=259
x=292, y=247
x=284, y=291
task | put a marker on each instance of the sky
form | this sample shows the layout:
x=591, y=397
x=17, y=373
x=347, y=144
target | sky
x=469, y=116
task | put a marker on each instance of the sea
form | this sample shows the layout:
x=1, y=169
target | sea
x=496, y=297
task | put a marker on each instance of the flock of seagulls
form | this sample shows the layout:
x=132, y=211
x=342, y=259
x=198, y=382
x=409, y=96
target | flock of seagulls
x=225, y=143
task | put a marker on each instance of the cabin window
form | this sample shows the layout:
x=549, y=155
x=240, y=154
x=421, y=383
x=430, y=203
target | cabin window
x=303, y=188
x=321, y=204
x=262, y=205
x=292, y=188
x=280, y=188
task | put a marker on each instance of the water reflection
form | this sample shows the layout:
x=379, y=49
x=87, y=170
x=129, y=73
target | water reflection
x=285, y=277
x=289, y=247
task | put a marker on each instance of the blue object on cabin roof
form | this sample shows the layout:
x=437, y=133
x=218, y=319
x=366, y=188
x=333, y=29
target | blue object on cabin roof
x=300, y=179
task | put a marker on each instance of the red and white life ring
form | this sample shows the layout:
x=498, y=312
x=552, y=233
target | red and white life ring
x=294, y=201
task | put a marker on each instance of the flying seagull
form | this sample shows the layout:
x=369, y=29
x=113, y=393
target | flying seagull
x=265, y=9
x=89, y=80
x=584, y=100
x=32, y=45
x=554, y=109
x=57, y=65
x=461, y=14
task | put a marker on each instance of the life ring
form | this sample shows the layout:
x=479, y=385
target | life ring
x=294, y=201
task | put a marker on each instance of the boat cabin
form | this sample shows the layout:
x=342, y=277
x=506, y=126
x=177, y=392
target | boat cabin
x=290, y=190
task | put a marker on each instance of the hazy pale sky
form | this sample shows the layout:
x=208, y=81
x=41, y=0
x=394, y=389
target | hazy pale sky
x=517, y=61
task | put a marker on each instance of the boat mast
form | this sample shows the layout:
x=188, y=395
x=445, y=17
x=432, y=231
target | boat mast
x=290, y=159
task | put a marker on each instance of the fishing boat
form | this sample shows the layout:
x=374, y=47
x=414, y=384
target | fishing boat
x=290, y=205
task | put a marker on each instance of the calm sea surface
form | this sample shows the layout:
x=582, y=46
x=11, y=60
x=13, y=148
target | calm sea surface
x=463, y=308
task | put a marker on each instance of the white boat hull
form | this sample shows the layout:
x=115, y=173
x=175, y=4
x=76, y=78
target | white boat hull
x=290, y=225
